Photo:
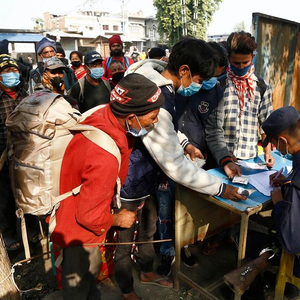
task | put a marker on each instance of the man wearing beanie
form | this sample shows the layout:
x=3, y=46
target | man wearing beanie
x=45, y=49
x=163, y=149
x=85, y=218
x=11, y=94
x=116, y=53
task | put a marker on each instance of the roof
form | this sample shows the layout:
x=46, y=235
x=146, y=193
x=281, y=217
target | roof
x=21, y=37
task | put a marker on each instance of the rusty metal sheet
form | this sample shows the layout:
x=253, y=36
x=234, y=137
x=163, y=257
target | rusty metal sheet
x=278, y=57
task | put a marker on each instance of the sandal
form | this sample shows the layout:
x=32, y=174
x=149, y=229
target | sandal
x=10, y=242
x=211, y=248
x=158, y=282
x=33, y=235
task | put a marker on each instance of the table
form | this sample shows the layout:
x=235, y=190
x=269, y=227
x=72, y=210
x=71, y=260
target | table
x=212, y=214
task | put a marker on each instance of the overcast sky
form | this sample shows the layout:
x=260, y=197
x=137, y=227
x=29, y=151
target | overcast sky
x=18, y=14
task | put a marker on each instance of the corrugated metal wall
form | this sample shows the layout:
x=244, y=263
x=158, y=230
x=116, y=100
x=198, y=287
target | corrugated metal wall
x=278, y=59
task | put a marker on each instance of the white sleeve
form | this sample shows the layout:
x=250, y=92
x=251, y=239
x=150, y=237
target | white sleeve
x=163, y=145
x=183, y=139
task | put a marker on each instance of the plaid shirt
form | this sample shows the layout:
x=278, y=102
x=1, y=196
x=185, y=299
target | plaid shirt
x=7, y=105
x=242, y=132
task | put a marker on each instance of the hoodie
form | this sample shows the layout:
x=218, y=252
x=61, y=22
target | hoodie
x=165, y=145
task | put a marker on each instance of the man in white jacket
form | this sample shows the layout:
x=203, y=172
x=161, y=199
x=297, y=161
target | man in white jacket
x=190, y=62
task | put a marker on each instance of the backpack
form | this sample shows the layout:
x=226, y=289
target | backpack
x=39, y=131
x=109, y=60
x=261, y=84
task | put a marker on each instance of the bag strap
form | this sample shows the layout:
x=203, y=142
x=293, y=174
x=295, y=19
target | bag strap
x=81, y=89
x=3, y=158
x=108, y=62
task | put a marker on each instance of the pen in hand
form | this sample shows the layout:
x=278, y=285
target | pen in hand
x=277, y=175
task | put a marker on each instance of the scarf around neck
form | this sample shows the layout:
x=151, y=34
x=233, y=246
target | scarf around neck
x=242, y=84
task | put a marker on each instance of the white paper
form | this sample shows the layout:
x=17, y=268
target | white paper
x=243, y=179
x=251, y=165
x=261, y=181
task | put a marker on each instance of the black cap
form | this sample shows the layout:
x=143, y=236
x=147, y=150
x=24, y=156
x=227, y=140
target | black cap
x=135, y=94
x=92, y=56
x=278, y=121
x=53, y=63
x=60, y=49
x=4, y=46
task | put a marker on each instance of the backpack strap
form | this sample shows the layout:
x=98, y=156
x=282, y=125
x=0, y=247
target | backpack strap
x=126, y=59
x=107, y=84
x=108, y=62
x=261, y=84
x=81, y=89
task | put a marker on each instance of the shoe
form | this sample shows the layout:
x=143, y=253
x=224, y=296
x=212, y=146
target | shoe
x=11, y=244
x=165, y=265
x=187, y=258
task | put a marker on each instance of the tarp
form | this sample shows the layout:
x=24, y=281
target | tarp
x=21, y=37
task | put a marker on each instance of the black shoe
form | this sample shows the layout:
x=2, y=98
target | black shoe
x=188, y=259
x=165, y=265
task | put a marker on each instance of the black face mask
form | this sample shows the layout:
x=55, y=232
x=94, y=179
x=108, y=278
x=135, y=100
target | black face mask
x=76, y=63
x=118, y=76
x=116, y=52
x=57, y=83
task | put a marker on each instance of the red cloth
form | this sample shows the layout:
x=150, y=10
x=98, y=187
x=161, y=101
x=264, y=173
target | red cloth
x=107, y=72
x=86, y=217
x=115, y=39
x=79, y=72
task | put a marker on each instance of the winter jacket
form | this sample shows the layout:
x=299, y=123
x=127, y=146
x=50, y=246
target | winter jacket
x=86, y=217
x=164, y=144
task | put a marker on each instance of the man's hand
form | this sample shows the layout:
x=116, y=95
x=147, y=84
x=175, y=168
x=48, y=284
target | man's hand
x=269, y=159
x=276, y=195
x=124, y=218
x=231, y=169
x=193, y=152
x=277, y=181
x=232, y=194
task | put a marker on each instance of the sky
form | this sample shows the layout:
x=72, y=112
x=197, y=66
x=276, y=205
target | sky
x=18, y=14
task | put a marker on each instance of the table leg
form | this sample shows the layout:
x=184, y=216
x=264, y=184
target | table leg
x=242, y=242
x=177, y=245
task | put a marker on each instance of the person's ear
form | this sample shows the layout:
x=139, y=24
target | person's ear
x=130, y=119
x=184, y=70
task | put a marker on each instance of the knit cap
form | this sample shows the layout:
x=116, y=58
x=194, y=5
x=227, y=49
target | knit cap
x=4, y=46
x=60, y=49
x=115, y=39
x=43, y=43
x=135, y=94
x=7, y=61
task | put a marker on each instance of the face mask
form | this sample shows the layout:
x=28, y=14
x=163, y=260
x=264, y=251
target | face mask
x=192, y=89
x=97, y=73
x=209, y=84
x=240, y=72
x=45, y=59
x=76, y=63
x=287, y=156
x=10, y=79
x=117, y=76
x=57, y=83
x=135, y=133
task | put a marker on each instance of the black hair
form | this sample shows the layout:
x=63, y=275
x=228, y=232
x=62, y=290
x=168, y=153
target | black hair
x=221, y=52
x=156, y=52
x=241, y=42
x=195, y=53
x=79, y=54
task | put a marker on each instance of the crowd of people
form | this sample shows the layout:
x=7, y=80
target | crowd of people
x=173, y=117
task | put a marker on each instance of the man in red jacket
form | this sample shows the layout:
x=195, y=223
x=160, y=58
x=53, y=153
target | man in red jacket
x=84, y=219
x=116, y=53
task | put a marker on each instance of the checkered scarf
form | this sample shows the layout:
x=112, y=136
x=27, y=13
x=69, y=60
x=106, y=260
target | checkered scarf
x=242, y=85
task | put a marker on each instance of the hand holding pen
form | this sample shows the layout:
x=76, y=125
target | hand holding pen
x=277, y=179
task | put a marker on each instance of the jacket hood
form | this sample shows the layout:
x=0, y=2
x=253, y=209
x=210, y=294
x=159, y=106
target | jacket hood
x=152, y=69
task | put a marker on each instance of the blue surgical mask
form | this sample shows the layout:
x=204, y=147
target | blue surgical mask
x=11, y=79
x=192, y=89
x=97, y=73
x=209, y=84
x=45, y=59
x=135, y=133
x=240, y=72
x=288, y=155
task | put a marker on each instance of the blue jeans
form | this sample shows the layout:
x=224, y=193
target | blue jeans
x=165, y=194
